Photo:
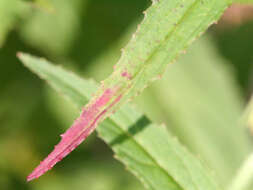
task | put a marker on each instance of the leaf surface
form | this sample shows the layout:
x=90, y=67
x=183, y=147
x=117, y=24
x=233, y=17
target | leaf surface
x=147, y=150
x=244, y=1
x=200, y=98
x=193, y=99
x=167, y=29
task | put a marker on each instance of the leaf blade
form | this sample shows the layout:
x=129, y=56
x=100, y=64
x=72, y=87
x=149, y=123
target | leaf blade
x=167, y=26
x=146, y=149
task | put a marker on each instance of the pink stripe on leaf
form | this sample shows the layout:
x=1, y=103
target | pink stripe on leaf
x=77, y=133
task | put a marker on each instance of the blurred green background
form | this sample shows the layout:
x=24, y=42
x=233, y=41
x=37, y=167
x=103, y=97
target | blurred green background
x=201, y=98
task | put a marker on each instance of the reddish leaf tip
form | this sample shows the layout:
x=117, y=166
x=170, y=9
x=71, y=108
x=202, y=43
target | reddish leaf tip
x=30, y=178
x=19, y=54
x=77, y=133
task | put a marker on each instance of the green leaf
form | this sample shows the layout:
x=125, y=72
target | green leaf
x=247, y=118
x=53, y=31
x=44, y=4
x=243, y=180
x=200, y=98
x=168, y=28
x=143, y=60
x=10, y=11
x=243, y=1
x=200, y=101
x=146, y=149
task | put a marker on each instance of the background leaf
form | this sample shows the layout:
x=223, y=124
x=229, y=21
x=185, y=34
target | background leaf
x=243, y=179
x=11, y=11
x=61, y=24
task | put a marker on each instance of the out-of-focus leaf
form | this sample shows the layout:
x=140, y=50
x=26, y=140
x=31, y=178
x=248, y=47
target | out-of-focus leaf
x=45, y=4
x=102, y=65
x=13, y=116
x=10, y=12
x=65, y=111
x=91, y=175
x=103, y=176
x=244, y=178
x=248, y=115
x=148, y=150
x=244, y=1
x=102, y=22
x=53, y=31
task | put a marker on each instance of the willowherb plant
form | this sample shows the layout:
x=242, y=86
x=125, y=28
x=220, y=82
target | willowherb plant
x=148, y=150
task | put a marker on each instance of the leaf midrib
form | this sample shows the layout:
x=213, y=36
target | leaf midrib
x=167, y=36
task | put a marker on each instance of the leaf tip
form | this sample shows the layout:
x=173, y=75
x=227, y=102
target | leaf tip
x=20, y=56
x=29, y=178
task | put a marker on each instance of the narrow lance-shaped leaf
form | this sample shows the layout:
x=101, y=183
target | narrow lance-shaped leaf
x=244, y=178
x=148, y=150
x=247, y=118
x=181, y=99
x=167, y=29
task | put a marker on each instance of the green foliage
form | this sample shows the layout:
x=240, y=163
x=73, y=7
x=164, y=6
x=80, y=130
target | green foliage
x=243, y=180
x=60, y=24
x=145, y=148
x=244, y=1
x=203, y=74
x=197, y=122
x=199, y=98
x=137, y=68
x=168, y=26
x=11, y=11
